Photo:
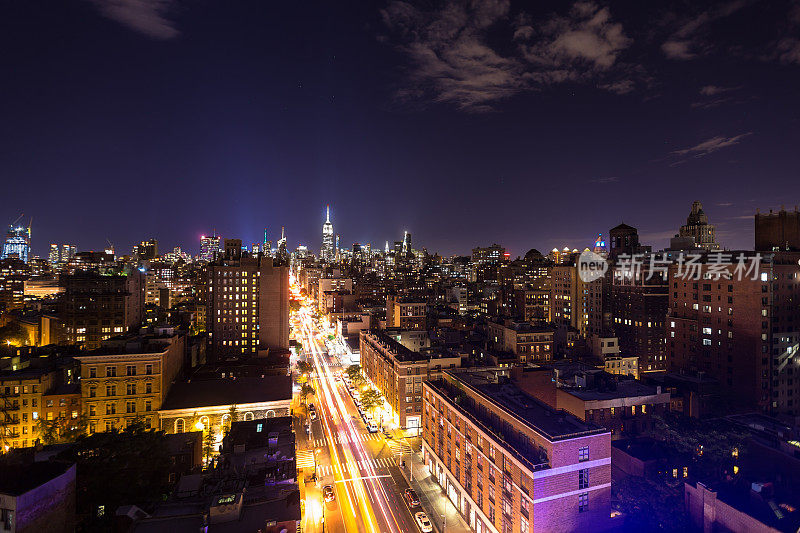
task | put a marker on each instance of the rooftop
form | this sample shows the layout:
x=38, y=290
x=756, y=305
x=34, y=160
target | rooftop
x=215, y=392
x=626, y=388
x=17, y=479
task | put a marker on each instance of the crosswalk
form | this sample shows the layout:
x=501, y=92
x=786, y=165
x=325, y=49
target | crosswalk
x=346, y=438
x=399, y=447
x=355, y=468
x=304, y=458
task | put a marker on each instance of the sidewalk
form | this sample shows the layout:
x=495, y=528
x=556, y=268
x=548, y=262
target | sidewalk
x=438, y=507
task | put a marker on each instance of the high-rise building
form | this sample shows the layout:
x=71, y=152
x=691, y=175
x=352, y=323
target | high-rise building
x=209, y=247
x=406, y=243
x=778, y=231
x=625, y=241
x=97, y=307
x=282, y=253
x=146, y=250
x=328, y=253
x=18, y=243
x=737, y=321
x=247, y=303
x=68, y=251
x=698, y=228
x=53, y=256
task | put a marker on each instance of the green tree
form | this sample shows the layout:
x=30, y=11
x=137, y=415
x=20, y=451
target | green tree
x=356, y=376
x=370, y=399
x=233, y=415
x=61, y=429
x=306, y=390
x=304, y=369
x=209, y=443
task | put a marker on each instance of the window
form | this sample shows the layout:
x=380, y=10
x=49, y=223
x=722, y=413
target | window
x=130, y=407
x=148, y=405
x=583, y=453
x=111, y=371
x=92, y=410
x=583, y=478
x=93, y=372
x=583, y=502
x=111, y=409
x=148, y=388
x=148, y=369
x=92, y=391
x=130, y=370
x=179, y=425
x=111, y=390
x=131, y=389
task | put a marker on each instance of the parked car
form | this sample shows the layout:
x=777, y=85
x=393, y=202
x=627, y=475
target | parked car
x=411, y=498
x=328, y=493
x=423, y=522
x=372, y=426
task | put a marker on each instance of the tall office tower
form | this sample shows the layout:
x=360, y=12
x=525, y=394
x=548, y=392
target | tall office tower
x=406, y=243
x=209, y=246
x=697, y=227
x=625, y=241
x=18, y=243
x=256, y=248
x=68, y=251
x=282, y=253
x=247, y=304
x=327, y=253
x=146, y=250
x=53, y=257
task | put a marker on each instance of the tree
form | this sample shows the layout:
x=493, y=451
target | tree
x=304, y=369
x=356, y=376
x=209, y=442
x=61, y=429
x=305, y=391
x=232, y=416
x=370, y=399
x=116, y=468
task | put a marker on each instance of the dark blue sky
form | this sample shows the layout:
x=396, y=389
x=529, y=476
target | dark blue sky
x=464, y=124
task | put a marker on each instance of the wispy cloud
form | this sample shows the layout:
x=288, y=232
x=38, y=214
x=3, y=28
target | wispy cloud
x=687, y=40
x=145, y=16
x=609, y=179
x=709, y=146
x=454, y=60
x=713, y=90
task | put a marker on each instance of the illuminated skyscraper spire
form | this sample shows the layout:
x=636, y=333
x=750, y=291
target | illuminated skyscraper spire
x=328, y=251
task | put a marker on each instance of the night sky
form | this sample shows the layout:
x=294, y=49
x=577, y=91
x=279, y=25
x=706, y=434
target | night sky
x=463, y=123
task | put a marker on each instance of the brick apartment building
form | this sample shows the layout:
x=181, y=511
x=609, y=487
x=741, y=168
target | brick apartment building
x=398, y=372
x=741, y=331
x=510, y=463
x=405, y=312
x=530, y=343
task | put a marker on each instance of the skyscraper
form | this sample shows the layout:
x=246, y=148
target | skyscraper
x=328, y=252
x=697, y=227
x=208, y=247
x=282, y=252
x=18, y=243
x=53, y=257
x=68, y=251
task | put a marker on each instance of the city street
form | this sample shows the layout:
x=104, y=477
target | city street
x=362, y=467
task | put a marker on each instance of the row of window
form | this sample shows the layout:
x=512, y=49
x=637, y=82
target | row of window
x=130, y=370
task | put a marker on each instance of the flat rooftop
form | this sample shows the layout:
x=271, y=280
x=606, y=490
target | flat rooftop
x=494, y=385
x=627, y=388
x=211, y=393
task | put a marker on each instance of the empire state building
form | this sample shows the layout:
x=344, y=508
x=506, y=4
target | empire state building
x=328, y=252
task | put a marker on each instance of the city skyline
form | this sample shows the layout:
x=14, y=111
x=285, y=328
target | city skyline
x=633, y=110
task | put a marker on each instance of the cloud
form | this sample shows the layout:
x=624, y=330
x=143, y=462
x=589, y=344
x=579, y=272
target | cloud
x=145, y=16
x=711, y=145
x=708, y=104
x=687, y=39
x=724, y=204
x=678, y=50
x=456, y=57
x=610, y=179
x=712, y=90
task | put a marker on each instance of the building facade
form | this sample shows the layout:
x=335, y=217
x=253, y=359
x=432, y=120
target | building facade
x=510, y=463
x=129, y=379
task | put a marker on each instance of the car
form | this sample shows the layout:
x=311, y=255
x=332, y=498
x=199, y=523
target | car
x=328, y=493
x=313, y=415
x=411, y=498
x=423, y=522
x=386, y=433
x=372, y=426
